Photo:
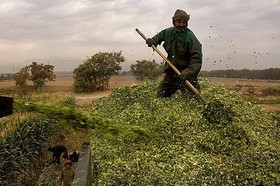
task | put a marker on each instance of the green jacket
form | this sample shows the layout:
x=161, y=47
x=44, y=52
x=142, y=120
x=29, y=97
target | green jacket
x=183, y=49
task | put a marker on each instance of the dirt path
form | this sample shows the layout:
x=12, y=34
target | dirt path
x=95, y=95
x=86, y=99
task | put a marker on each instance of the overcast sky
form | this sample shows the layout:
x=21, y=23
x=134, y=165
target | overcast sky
x=235, y=34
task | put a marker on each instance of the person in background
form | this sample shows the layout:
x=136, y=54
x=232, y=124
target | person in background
x=74, y=157
x=67, y=174
x=184, y=51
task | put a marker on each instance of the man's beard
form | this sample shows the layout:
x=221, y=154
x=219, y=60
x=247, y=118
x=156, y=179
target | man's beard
x=180, y=29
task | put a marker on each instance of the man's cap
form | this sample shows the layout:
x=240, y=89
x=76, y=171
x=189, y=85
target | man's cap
x=181, y=14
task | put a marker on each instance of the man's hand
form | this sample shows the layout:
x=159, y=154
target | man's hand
x=185, y=75
x=150, y=42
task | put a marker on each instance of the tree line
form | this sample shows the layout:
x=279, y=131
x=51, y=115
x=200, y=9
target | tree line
x=269, y=74
x=95, y=72
x=92, y=75
x=6, y=76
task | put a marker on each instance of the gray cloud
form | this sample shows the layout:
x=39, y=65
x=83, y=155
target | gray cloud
x=235, y=33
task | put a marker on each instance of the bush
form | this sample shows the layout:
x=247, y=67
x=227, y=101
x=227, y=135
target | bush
x=271, y=92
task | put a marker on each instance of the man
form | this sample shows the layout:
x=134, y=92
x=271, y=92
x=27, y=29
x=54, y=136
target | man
x=57, y=151
x=184, y=52
x=74, y=157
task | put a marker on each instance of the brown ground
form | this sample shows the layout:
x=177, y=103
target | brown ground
x=257, y=83
x=63, y=85
x=252, y=90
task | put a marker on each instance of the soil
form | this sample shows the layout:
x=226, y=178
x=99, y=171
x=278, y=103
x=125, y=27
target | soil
x=251, y=90
x=63, y=85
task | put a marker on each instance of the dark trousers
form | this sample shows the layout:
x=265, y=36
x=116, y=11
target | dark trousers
x=171, y=83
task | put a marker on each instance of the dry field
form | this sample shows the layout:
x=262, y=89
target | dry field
x=246, y=88
x=252, y=90
x=257, y=83
x=64, y=84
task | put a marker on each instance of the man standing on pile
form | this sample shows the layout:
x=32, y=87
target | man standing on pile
x=184, y=52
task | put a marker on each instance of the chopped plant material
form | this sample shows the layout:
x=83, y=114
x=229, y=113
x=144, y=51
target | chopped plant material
x=216, y=113
x=78, y=118
x=184, y=147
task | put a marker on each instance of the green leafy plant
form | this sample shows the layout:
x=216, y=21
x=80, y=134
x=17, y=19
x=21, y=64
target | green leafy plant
x=22, y=148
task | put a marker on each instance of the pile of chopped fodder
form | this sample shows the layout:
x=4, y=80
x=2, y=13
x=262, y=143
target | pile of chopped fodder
x=184, y=148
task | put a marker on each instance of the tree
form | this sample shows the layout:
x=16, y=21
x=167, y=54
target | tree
x=21, y=78
x=146, y=70
x=40, y=74
x=95, y=73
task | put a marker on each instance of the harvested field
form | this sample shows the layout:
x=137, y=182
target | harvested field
x=263, y=92
x=252, y=90
x=232, y=82
x=65, y=83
